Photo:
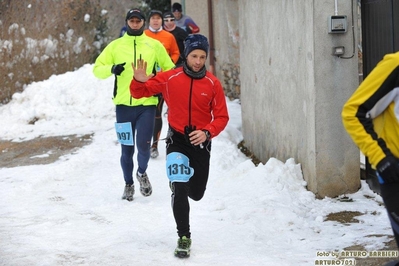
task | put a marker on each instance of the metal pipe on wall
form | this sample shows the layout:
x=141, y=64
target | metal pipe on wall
x=211, y=39
x=336, y=7
x=183, y=6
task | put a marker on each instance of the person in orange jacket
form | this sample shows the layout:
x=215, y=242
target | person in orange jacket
x=155, y=30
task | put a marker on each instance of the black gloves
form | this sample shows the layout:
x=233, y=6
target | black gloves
x=118, y=69
x=388, y=169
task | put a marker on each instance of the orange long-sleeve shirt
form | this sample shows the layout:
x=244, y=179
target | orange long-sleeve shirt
x=168, y=41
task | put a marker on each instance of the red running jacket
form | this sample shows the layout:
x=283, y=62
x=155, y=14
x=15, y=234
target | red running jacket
x=203, y=97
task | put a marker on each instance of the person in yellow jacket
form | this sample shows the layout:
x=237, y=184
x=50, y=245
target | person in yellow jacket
x=371, y=118
x=134, y=117
x=155, y=30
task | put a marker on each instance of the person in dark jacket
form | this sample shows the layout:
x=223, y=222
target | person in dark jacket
x=197, y=113
x=169, y=24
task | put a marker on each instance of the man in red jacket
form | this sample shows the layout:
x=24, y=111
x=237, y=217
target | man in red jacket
x=197, y=113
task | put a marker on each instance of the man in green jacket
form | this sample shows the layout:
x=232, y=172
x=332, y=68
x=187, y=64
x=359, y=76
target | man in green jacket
x=134, y=117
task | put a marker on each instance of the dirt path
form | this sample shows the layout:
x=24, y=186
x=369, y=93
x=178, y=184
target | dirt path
x=40, y=150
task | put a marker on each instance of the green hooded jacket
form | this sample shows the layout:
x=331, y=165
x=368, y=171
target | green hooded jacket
x=128, y=49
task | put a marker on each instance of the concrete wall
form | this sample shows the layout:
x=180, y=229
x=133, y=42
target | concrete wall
x=227, y=45
x=293, y=89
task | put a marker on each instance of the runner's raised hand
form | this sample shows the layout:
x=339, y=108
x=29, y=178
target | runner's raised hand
x=139, y=71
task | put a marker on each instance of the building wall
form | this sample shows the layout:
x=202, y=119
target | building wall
x=224, y=33
x=276, y=57
x=227, y=45
x=293, y=89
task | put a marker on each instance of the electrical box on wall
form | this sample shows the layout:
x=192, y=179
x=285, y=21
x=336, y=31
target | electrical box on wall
x=337, y=24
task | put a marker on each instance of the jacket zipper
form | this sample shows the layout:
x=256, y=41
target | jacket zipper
x=134, y=61
x=189, y=102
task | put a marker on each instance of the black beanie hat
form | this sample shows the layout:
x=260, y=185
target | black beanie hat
x=154, y=12
x=195, y=41
x=176, y=7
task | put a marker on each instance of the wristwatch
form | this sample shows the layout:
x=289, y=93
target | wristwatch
x=207, y=134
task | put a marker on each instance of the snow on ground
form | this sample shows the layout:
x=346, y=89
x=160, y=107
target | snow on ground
x=70, y=212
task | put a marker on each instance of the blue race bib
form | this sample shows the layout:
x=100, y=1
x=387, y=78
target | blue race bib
x=178, y=167
x=124, y=133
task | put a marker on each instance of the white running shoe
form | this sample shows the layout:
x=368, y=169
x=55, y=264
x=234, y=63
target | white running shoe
x=145, y=185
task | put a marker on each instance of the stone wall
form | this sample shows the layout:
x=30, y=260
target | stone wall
x=45, y=37
x=230, y=77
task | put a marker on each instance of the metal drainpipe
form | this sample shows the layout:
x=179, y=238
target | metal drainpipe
x=183, y=6
x=211, y=41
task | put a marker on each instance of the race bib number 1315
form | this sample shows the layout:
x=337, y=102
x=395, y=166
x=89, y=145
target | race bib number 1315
x=178, y=167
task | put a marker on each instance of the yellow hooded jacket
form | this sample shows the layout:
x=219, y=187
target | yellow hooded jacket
x=371, y=115
x=128, y=49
